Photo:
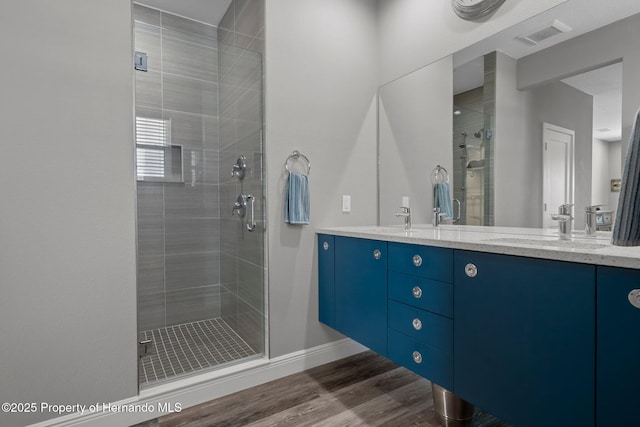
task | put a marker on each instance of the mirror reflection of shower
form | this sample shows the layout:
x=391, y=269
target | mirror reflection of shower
x=469, y=141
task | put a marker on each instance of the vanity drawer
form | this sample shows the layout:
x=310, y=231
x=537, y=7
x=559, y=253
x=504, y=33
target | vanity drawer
x=431, y=329
x=426, y=294
x=434, y=364
x=424, y=261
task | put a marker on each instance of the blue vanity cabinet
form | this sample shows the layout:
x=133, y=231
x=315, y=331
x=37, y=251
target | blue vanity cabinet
x=326, y=280
x=423, y=261
x=524, y=338
x=420, y=310
x=360, y=291
x=618, y=354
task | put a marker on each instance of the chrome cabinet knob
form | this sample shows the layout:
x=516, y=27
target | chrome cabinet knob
x=471, y=270
x=417, y=324
x=634, y=298
x=417, y=260
x=325, y=246
x=417, y=357
x=417, y=292
x=377, y=254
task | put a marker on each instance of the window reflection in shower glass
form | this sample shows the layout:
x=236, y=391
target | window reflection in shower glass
x=156, y=158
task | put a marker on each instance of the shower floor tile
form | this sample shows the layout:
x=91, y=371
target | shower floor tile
x=188, y=348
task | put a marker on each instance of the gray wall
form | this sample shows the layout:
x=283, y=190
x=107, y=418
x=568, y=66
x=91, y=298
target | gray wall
x=415, y=134
x=561, y=105
x=518, y=159
x=520, y=115
x=592, y=50
x=600, y=179
x=240, y=47
x=67, y=258
x=179, y=223
x=615, y=170
x=321, y=86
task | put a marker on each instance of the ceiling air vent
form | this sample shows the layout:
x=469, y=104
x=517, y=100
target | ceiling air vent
x=554, y=29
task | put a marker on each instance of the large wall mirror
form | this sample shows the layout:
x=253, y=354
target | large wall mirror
x=532, y=117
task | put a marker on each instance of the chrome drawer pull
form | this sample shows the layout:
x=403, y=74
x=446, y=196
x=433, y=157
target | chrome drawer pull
x=377, y=254
x=417, y=260
x=634, y=298
x=417, y=292
x=417, y=324
x=325, y=246
x=417, y=357
x=471, y=270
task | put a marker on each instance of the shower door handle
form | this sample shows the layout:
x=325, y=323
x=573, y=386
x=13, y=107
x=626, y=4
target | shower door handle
x=251, y=221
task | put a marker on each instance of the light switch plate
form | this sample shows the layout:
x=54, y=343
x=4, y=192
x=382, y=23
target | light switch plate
x=346, y=203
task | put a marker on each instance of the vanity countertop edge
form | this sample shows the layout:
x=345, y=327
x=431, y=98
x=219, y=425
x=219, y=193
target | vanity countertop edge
x=598, y=250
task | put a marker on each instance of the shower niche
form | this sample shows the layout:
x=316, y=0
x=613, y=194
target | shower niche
x=199, y=107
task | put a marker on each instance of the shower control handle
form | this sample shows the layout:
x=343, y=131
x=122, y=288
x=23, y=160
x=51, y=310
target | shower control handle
x=239, y=168
x=240, y=206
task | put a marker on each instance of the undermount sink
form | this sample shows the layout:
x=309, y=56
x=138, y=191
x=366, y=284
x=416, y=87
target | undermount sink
x=569, y=244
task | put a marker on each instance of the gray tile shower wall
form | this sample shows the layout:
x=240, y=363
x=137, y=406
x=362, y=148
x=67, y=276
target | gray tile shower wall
x=489, y=109
x=179, y=223
x=240, y=88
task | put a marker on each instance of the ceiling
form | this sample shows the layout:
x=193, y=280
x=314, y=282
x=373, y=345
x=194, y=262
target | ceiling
x=207, y=11
x=604, y=84
x=581, y=15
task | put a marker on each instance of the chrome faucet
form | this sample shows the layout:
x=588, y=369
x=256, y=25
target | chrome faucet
x=406, y=213
x=439, y=216
x=564, y=219
x=590, y=219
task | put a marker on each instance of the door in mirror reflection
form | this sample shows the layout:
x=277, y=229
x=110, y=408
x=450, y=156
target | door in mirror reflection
x=557, y=170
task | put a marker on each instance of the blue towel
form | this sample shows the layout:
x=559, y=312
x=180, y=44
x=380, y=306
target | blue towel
x=443, y=199
x=626, y=230
x=296, y=199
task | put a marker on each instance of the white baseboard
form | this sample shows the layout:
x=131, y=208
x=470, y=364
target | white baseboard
x=192, y=391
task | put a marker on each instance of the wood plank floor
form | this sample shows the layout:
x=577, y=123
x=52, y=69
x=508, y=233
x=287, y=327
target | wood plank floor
x=361, y=390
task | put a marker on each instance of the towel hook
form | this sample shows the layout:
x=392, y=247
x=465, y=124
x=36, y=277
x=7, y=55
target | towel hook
x=296, y=155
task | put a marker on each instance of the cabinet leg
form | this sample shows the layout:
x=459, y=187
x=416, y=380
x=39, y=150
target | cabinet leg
x=452, y=410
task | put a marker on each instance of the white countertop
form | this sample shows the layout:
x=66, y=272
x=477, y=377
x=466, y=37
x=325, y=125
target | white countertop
x=527, y=242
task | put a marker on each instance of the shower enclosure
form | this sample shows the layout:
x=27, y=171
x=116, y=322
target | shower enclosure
x=473, y=140
x=468, y=165
x=200, y=198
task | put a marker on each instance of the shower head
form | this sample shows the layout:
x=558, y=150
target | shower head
x=479, y=133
